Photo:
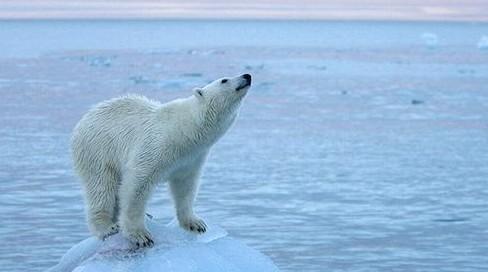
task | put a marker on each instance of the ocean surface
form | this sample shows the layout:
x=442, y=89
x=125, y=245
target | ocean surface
x=362, y=146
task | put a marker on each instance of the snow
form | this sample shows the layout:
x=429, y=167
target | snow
x=175, y=250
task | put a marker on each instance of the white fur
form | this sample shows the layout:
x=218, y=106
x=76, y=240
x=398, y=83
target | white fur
x=123, y=147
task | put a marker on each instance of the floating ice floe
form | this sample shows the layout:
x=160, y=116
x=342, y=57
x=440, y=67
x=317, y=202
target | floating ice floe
x=141, y=80
x=192, y=75
x=92, y=60
x=483, y=43
x=254, y=67
x=205, y=52
x=175, y=250
x=416, y=102
x=430, y=40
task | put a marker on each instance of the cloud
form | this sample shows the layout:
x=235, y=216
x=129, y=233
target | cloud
x=468, y=10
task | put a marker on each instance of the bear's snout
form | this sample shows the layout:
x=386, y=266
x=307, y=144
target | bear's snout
x=247, y=77
x=244, y=83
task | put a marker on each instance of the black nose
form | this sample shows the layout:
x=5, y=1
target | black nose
x=247, y=77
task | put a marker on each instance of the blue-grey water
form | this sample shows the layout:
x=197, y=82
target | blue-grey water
x=360, y=147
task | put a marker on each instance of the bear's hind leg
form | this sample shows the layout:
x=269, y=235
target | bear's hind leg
x=101, y=203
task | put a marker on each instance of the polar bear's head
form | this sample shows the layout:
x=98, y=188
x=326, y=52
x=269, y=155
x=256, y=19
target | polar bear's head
x=222, y=97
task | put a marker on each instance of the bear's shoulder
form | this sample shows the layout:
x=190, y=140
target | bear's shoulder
x=128, y=103
x=131, y=99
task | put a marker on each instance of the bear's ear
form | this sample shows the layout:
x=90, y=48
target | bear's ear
x=198, y=92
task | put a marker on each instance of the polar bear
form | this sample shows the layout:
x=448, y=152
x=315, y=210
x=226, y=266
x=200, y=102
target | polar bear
x=123, y=147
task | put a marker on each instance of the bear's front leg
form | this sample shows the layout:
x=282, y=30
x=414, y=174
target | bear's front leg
x=134, y=193
x=184, y=188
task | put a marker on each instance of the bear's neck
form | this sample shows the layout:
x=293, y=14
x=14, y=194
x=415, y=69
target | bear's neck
x=213, y=124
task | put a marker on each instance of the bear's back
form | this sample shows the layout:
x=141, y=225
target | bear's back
x=110, y=128
x=125, y=106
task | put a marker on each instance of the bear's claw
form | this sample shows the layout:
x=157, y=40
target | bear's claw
x=148, y=243
x=141, y=238
x=194, y=224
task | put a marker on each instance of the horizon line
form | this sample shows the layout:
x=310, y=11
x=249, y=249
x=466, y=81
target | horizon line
x=262, y=19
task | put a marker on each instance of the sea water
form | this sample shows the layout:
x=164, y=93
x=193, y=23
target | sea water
x=362, y=146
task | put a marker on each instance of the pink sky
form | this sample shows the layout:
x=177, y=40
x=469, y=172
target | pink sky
x=463, y=10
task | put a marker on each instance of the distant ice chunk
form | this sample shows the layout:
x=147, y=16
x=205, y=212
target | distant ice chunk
x=141, y=80
x=254, y=66
x=175, y=250
x=483, y=43
x=416, y=102
x=430, y=40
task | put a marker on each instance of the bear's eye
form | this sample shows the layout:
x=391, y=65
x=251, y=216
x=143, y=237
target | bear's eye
x=223, y=81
